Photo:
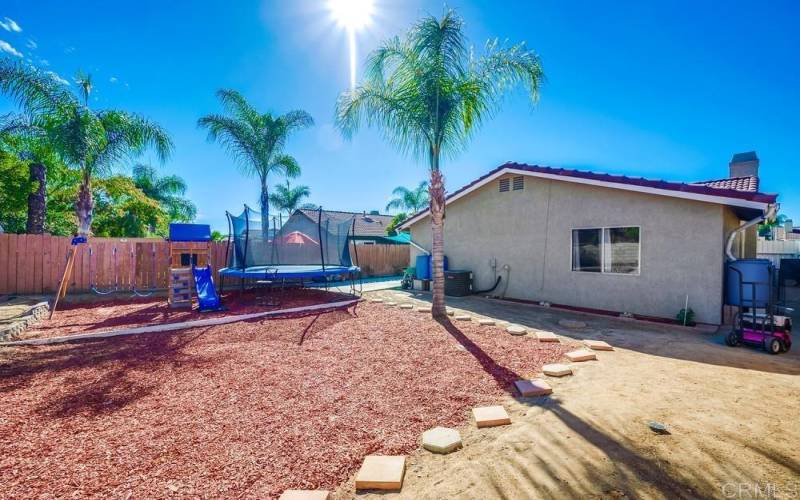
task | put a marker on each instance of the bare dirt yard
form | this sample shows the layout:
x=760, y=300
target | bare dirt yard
x=246, y=409
x=732, y=414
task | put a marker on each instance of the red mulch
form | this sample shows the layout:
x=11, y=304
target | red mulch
x=245, y=409
x=128, y=312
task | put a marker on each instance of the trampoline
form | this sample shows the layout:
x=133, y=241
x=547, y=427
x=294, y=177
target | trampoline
x=293, y=252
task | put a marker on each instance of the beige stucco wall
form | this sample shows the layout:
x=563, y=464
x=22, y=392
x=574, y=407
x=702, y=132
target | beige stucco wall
x=682, y=246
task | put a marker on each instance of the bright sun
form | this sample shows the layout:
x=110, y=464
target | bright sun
x=352, y=14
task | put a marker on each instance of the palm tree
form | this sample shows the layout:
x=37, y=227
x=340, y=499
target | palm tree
x=287, y=198
x=168, y=191
x=429, y=94
x=408, y=199
x=91, y=141
x=256, y=140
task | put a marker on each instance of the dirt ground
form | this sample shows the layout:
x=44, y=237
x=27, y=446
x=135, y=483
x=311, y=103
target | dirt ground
x=732, y=414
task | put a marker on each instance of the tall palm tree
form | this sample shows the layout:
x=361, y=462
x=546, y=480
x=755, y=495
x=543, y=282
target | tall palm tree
x=91, y=141
x=412, y=200
x=256, y=140
x=168, y=191
x=287, y=198
x=429, y=94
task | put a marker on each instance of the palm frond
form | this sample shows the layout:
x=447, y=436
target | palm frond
x=36, y=92
x=286, y=165
x=236, y=137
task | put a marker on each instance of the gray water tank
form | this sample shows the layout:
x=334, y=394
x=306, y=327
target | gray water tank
x=752, y=270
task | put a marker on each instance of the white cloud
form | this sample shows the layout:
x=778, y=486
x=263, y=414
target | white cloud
x=44, y=62
x=55, y=76
x=69, y=50
x=31, y=44
x=113, y=79
x=10, y=25
x=6, y=47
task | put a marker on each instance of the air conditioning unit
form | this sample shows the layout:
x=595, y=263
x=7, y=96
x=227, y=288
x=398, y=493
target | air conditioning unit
x=457, y=283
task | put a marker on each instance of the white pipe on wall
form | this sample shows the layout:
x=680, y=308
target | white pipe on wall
x=770, y=213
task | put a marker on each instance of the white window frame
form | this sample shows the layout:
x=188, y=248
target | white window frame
x=602, y=230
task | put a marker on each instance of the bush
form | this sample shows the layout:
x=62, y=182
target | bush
x=686, y=316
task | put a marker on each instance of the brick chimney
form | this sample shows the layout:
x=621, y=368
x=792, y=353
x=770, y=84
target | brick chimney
x=744, y=165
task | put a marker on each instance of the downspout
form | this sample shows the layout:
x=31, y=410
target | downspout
x=411, y=242
x=769, y=214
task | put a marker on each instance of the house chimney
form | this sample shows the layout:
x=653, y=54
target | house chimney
x=788, y=226
x=744, y=165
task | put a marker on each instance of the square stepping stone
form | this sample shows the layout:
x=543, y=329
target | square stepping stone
x=463, y=317
x=379, y=472
x=598, y=345
x=516, y=330
x=543, y=336
x=377, y=301
x=305, y=495
x=490, y=416
x=406, y=306
x=486, y=322
x=557, y=370
x=424, y=309
x=581, y=355
x=441, y=440
x=532, y=388
x=390, y=304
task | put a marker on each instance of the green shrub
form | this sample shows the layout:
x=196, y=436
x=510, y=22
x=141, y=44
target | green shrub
x=686, y=317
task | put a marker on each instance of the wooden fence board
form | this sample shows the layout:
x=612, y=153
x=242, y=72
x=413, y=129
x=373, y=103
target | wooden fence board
x=34, y=264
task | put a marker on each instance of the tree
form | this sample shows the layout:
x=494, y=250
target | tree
x=767, y=228
x=429, y=94
x=123, y=210
x=91, y=141
x=391, y=229
x=412, y=200
x=168, y=191
x=287, y=198
x=256, y=140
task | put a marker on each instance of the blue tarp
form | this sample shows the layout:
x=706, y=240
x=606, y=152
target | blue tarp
x=189, y=232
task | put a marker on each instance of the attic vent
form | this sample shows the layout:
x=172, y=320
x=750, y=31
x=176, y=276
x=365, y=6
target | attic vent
x=518, y=183
x=504, y=185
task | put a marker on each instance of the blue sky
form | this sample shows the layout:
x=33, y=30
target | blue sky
x=666, y=91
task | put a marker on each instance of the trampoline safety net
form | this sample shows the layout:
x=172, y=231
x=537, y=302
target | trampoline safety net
x=298, y=241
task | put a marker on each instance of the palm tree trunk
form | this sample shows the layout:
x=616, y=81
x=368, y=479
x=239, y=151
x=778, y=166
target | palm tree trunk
x=437, y=200
x=265, y=209
x=37, y=200
x=84, y=208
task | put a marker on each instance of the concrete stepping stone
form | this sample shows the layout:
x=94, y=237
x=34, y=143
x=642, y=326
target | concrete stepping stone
x=305, y=495
x=516, y=330
x=406, y=306
x=441, y=440
x=581, y=355
x=556, y=370
x=380, y=472
x=486, y=322
x=424, y=309
x=571, y=323
x=377, y=301
x=598, y=345
x=543, y=336
x=532, y=388
x=451, y=312
x=490, y=416
x=462, y=317
x=390, y=304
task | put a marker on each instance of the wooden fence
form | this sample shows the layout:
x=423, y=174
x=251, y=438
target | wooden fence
x=33, y=264
x=777, y=250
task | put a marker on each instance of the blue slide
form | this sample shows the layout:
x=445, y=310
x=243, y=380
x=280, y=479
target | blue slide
x=207, y=297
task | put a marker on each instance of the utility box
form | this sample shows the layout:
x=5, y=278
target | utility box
x=457, y=283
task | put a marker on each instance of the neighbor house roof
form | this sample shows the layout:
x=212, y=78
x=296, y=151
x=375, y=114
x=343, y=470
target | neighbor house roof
x=725, y=194
x=366, y=224
x=747, y=184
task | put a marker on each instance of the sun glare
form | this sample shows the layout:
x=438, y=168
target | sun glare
x=352, y=15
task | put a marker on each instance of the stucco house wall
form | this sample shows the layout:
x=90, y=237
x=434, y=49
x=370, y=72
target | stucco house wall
x=682, y=246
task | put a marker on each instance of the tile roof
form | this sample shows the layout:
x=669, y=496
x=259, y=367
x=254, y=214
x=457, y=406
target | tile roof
x=721, y=189
x=747, y=184
x=366, y=224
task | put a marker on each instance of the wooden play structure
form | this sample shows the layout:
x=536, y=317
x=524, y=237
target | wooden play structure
x=189, y=245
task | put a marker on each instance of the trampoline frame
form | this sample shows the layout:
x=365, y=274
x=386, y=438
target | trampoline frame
x=289, y=274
